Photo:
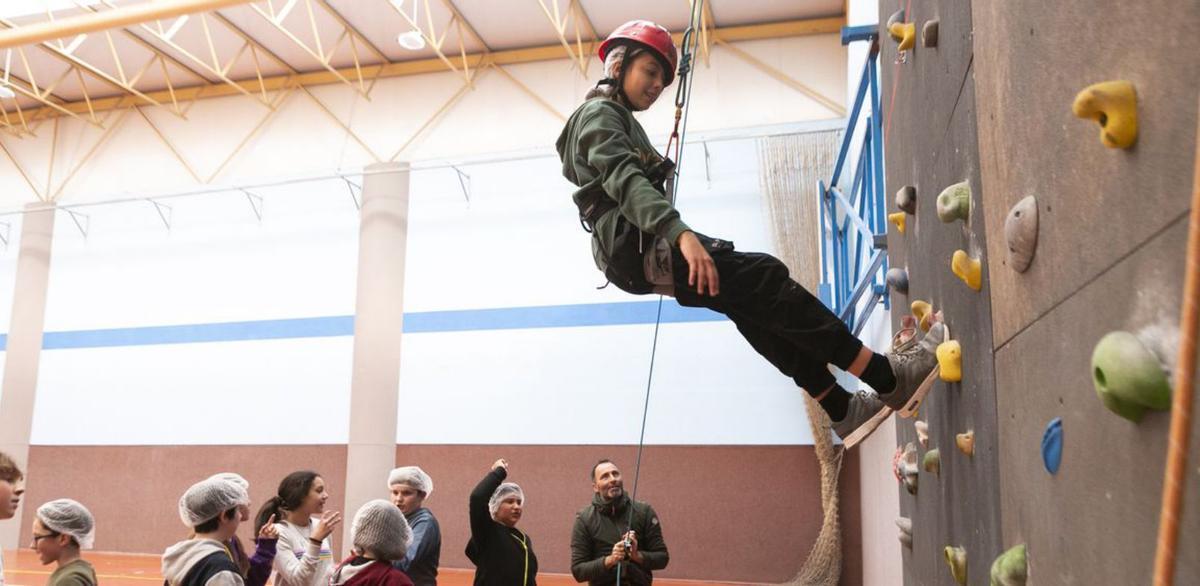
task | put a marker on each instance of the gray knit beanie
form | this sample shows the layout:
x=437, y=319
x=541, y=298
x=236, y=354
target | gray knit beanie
x=380, y=529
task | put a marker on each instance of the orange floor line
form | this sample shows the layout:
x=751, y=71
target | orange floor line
x=22, y=568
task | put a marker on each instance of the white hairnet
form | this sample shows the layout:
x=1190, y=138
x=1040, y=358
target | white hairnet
x=211, y=497
x=380, y=529
x=502, y=492
x=613, y=61
x=412, y=476
x=234, y=478
x=68, y=517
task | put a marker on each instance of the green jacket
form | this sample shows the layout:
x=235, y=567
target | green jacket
x=600, y=525
x=606, y=153
x=76, y=573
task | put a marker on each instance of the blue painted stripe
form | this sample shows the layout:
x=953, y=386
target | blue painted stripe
x=508, y=318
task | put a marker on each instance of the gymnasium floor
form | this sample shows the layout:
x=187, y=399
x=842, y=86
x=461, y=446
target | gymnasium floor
x=21, y=568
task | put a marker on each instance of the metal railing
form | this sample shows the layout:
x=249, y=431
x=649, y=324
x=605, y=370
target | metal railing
x=853, y=227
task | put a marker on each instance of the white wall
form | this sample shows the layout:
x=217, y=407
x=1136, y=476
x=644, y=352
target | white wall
x=516, y=244
x=184, y=296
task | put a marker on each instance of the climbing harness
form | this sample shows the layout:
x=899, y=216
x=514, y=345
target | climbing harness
x=678, y=134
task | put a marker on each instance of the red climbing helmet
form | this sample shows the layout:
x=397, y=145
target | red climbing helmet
x=644, y=32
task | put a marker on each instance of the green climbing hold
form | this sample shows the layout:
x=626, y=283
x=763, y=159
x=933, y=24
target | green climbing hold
x=954, y=203
x=1010, y=569
x=1128, y=377
x=933, y=462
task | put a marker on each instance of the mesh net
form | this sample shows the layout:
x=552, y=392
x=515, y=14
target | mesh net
x=790, y=168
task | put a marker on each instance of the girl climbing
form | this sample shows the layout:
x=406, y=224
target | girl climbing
x=643, y=246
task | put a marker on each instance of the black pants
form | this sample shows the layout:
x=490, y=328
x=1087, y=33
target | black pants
x=782, y=321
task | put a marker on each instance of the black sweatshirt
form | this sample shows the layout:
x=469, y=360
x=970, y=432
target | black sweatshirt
x=503, y=556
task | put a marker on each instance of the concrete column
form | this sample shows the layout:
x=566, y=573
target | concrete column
x=378, y=322
x=19, y=387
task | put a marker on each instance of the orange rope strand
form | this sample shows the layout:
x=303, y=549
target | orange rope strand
x=1181, y=408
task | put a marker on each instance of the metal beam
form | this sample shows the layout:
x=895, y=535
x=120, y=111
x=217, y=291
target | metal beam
x=818, y=97
x=552, y=52
x=107, y=20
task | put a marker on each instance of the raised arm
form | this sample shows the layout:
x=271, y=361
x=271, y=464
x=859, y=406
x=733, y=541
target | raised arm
x=481, y=517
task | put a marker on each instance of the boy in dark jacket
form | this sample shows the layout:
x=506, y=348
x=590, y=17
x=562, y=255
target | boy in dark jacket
x=502, y=554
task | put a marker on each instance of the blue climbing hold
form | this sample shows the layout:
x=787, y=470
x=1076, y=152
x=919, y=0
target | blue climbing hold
x=1052, y=445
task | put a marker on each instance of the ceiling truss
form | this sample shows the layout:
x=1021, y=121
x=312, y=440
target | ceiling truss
x=205, y=72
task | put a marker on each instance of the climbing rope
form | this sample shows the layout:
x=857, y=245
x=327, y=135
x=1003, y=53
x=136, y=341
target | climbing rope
x=682, y=93
x=1181, y=410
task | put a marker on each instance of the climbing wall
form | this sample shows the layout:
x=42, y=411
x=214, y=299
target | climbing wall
x=1110, y=253
x=931, y=143
x=992, y=105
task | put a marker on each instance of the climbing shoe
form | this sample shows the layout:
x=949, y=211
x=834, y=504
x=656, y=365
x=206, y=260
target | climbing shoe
x=864, y=406
x=912, y=365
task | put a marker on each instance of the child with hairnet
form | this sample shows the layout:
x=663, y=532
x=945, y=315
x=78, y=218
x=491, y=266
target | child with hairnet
x=410, y=486
x=60, y=529
x=502, y=554
x=12, y=486
x=380, y=537
x=255, y=569
x=212, y=509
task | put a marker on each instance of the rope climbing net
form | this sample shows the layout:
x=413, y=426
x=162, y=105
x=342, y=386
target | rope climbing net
x=789, y=166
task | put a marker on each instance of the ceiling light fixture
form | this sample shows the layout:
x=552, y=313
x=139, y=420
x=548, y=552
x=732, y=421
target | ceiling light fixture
x=412, y=40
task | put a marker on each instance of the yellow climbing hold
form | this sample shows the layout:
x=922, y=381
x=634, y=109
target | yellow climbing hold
x=956, y=558
x=1114, y=105
x=968, y=269
x=922, y=311
x=949, y=357
x=905, y=33
x=966, y=443
x=898, y=219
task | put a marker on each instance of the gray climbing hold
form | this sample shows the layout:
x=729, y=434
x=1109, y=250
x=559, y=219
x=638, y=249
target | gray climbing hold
x=904, y=466
x=906, y=199
x=929, y=34
x=922, y=432
x=1021, y=233
x=906, y=528
x=897, y=279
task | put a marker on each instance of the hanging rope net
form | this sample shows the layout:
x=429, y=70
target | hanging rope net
x=789, y=169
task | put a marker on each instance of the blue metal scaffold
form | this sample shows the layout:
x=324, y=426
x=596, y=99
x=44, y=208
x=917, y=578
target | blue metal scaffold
x=853, y=227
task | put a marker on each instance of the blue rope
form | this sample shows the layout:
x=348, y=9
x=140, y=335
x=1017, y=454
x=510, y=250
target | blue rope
x=682, y=98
